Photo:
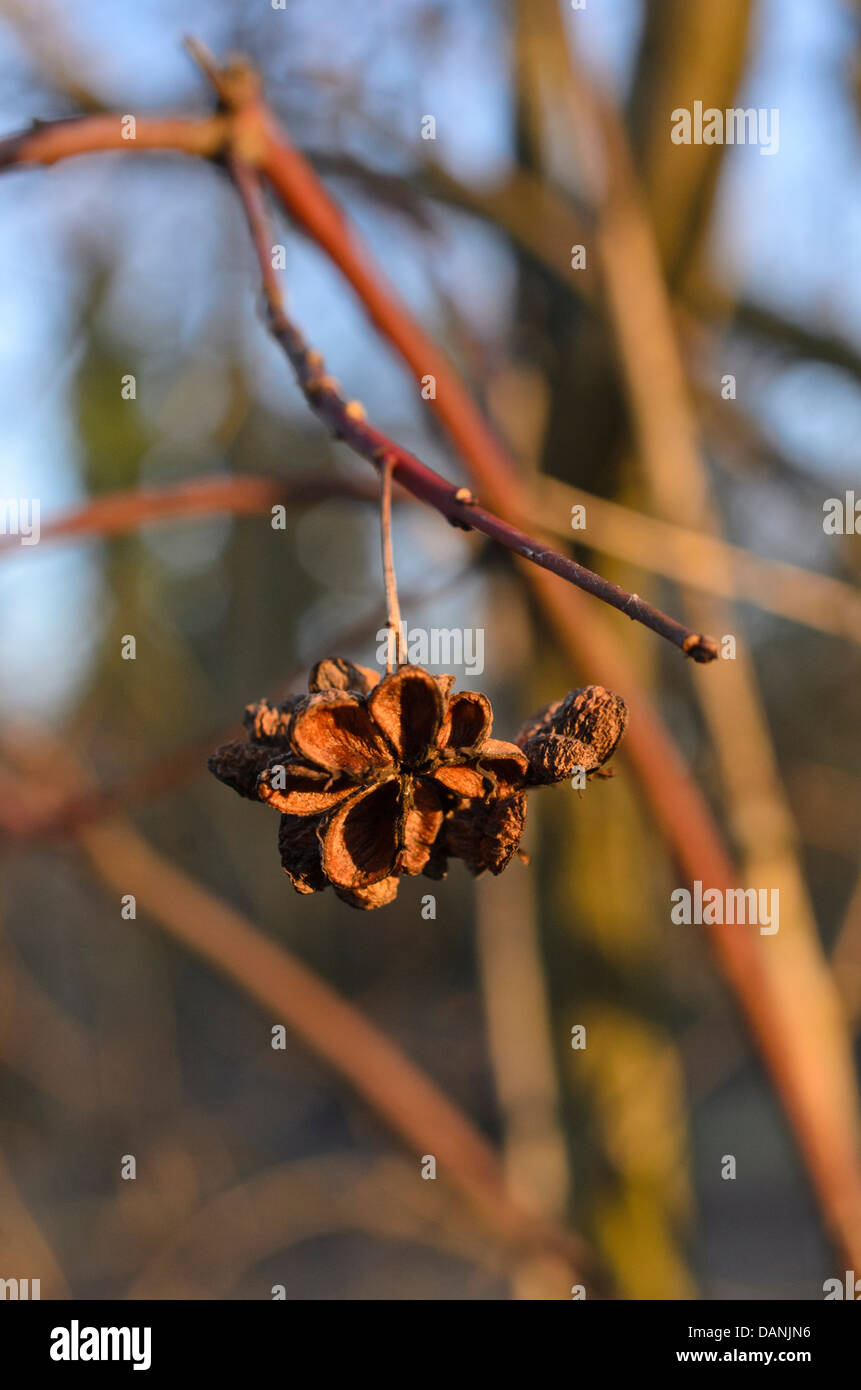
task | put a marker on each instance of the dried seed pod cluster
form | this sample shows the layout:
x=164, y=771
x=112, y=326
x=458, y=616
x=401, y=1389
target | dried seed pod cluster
x=376, y=777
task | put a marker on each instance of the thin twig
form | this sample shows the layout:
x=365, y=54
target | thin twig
x=393, y=610
x=690, y=558
x=346, y=420
x=697, y=560
x=202, y=55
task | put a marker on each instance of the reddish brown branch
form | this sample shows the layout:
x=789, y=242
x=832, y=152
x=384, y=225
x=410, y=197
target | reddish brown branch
x=240, y=494
x=47, y=142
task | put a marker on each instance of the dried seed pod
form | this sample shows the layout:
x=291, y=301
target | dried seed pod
x=300, y=853
x=377, y=895
x=335, y=673
x=270, y=723
x=239, y=765
x=580, y=731
x=381, y=777
x=485, y=834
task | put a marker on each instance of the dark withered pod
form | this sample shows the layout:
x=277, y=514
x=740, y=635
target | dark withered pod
x=377, y=776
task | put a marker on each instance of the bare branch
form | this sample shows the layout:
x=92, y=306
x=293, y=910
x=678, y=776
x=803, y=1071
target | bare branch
x=346, y=420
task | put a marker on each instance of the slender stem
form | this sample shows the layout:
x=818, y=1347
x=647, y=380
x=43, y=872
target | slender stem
x=202, y=55
x=393, y=608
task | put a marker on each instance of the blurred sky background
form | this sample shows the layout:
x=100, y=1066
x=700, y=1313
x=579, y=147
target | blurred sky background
x=120, y=1041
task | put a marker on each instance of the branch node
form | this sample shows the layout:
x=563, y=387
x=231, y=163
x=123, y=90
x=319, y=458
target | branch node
x=700, y=648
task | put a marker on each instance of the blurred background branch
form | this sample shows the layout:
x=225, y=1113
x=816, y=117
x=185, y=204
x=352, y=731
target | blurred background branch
x=405, y=1099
